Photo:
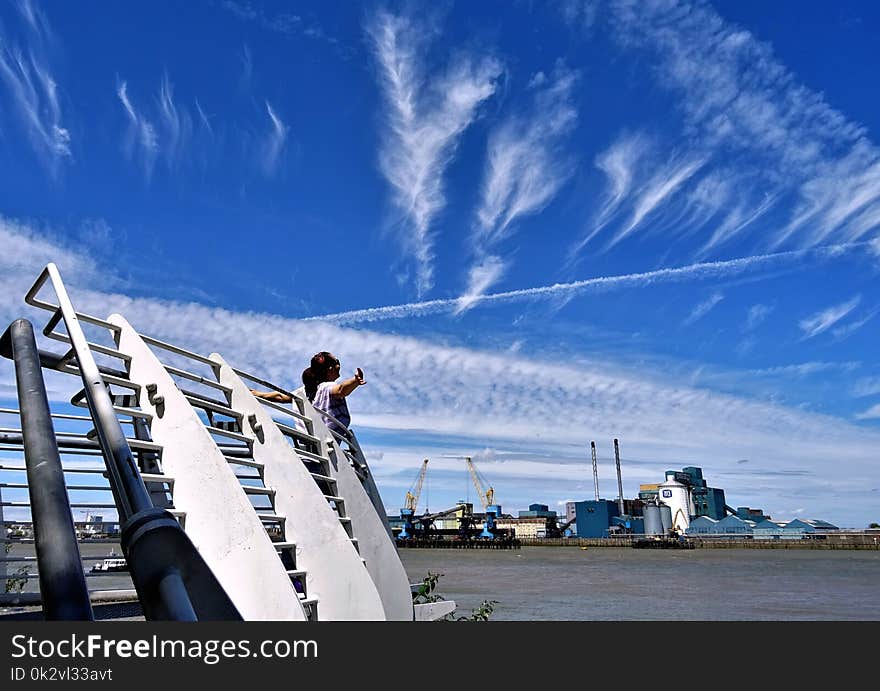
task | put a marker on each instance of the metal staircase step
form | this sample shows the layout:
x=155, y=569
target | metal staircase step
x=296, y=572
x=213, y=406
x=228, y=433
x=79, y=400
x=213, y=383
x=309, y=456
x=271, y=518
x=323, y=478
x=281, y=546
x=154, y=477
x=264, y=491
x=249, y=462
x=289, y=431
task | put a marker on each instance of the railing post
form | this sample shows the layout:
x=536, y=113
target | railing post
x=62, y=581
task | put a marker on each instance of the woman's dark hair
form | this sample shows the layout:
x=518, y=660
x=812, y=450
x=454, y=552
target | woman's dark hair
x=316, y=373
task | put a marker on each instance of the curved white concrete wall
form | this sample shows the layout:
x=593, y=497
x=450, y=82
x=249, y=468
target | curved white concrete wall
x=335, y=573
x=220, y=519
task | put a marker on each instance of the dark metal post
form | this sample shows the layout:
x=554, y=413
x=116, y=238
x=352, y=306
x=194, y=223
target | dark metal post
x=595, y=469
x=62, y=581
x=619, y=478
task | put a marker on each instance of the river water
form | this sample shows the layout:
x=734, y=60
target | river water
x=612, y=584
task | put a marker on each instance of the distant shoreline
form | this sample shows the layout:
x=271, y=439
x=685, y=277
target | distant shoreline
x=845, y=541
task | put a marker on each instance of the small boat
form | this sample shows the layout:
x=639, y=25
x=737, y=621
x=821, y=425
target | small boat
x=662, y=543
x=110, y=564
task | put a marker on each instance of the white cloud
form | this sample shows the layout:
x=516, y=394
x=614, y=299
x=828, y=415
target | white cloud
x=482, y=398
x=618, y=162
x=657, y=192
x=141, y=140
x=848, y=330
x=692, y=272
x=872, y=413
x=756, y=316
x=33, y=94
x=203, y=118
x=167, y=133
x=825, y=319
x=481, y=276
x=806, y=368
x=526, y=166
x=425, y=118
x=527, y=163
x=738, y=98
x=867, y=386
x=273, y=145
x=176, y=122
x=703, y=308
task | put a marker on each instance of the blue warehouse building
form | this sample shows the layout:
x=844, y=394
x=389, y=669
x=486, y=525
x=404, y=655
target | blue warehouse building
x=595, y=518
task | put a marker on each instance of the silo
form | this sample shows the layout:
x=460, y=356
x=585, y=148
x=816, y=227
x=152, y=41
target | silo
x=665, y=518
x=677, y=497
x=653, y=524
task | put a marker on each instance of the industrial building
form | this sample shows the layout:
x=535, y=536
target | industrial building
x=765, y=529
x=682, y=504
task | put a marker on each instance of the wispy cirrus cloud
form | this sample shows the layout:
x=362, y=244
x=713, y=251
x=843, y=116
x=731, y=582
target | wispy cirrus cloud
x=737, y=97
x=692, y=272
x=273, y=144
x=872, y=413
x=640, y=185
x=176, y=122
x=285, y=23
x=33, y=91
x=526, y=165
x=141, y=141
x=426, y=116
x=618, y=163
x=702, y=309
x=824, y=319
x=656, y=192
x=527, y=161
x=848, y=330
x=866, y=386
x=163, y=129
x=756, y=316
x=806, y=368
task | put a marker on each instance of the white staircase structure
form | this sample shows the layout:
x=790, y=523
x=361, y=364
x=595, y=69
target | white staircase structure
x=283, y=511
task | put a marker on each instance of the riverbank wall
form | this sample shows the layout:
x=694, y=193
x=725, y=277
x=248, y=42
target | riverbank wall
x=842, y=541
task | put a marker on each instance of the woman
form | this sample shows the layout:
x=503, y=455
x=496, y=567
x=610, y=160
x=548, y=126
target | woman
x=322, y=389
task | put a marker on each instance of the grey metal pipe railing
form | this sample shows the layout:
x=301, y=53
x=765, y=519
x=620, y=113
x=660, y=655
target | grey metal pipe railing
x=171, y=578
x=62, y=581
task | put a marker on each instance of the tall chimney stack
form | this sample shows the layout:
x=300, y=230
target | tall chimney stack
x=619, y=479
x=595, y=469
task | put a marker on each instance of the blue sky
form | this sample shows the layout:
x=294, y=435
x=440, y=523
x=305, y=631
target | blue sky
x=532, y=224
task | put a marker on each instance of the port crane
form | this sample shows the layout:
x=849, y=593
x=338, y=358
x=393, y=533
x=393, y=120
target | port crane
x=487, y=499
x=411, y=501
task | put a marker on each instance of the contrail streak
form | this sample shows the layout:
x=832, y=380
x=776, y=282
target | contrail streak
x=698, y=271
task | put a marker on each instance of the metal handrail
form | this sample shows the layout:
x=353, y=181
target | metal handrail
x=62, y=581
x=172, y=579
